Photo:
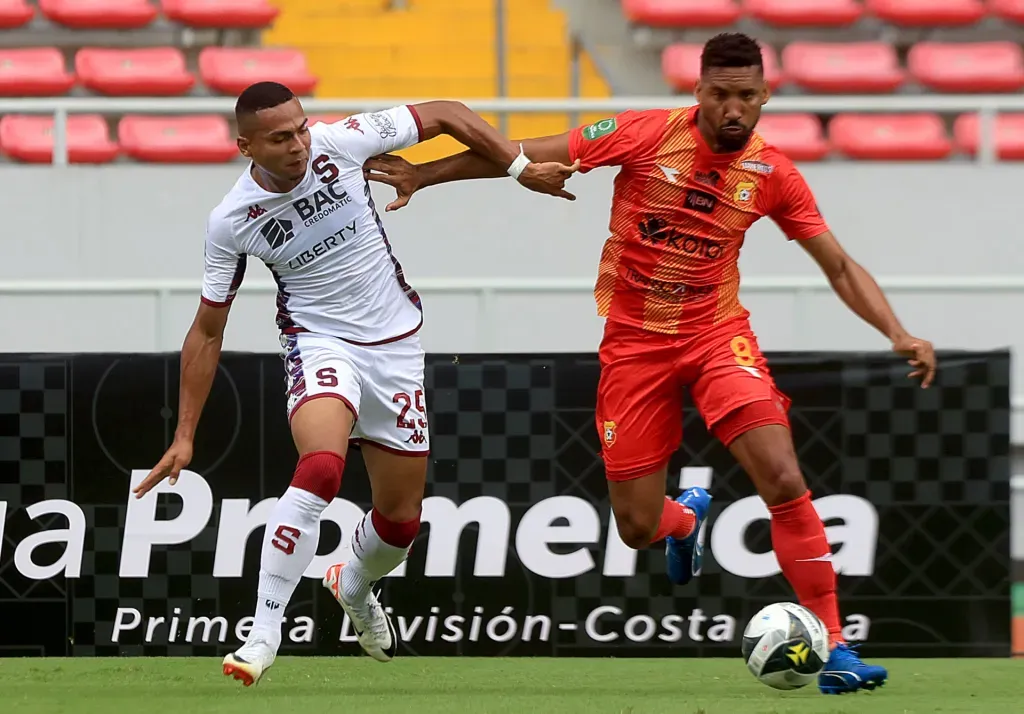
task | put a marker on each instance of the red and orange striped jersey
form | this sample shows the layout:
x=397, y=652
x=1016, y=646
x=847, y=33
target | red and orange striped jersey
x=680, y=213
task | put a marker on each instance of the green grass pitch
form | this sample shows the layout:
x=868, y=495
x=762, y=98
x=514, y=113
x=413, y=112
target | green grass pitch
x=305, y=685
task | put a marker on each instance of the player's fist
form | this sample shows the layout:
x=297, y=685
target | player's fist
x=177, y=457
x=549, y=177
x=395, y=172
x=922, y=357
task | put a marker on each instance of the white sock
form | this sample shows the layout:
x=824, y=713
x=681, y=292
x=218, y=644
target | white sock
x=372, y=559
x=289, y=546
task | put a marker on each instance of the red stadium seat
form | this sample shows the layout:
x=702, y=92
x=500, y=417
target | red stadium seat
x=927, y=13
x=1009, y=10
x=680, y=65
x=177, y=140
x=14, y=13
x=151, y=71
x=890, y=137
x=220, y=13
x=682, y=13
x=850, y=67
x=798, y=136
x=105, y=14
x=30, y=138
x=35, y=72
x=804, y=13
x=1009, y=135
x=230, y=70
x=968, y=66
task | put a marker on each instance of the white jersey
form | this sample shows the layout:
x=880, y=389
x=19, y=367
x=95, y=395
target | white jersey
x=323, y=241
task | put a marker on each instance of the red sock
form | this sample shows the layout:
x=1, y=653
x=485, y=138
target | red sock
x=319, y=472
x=798, y=536
x=676, y=520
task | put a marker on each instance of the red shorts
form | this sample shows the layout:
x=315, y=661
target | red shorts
x=640, y=395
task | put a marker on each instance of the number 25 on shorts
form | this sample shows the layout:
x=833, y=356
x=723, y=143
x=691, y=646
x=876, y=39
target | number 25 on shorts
x=742, y=351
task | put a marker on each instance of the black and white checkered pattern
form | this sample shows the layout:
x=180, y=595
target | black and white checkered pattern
x=521, y=429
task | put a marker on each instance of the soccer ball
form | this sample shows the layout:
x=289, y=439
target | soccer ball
x=785, y=646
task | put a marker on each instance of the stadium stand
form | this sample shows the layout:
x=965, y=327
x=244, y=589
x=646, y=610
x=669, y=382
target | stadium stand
x=523, y=49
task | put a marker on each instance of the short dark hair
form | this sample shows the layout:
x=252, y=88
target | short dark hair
x=262, y=95
x=731, y=49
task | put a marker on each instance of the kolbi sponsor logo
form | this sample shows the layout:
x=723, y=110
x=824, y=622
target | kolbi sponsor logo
x=657, y=231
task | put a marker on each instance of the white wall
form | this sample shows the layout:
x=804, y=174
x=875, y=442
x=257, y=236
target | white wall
x=147, y=222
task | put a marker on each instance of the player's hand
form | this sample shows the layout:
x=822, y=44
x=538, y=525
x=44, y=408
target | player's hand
x=922, y=357
x=396, y=172
x=549, y=177
x=177, y=457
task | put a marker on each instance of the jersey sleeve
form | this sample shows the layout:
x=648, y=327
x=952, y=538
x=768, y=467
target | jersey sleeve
x=616, y=141
x=361, y=136
x=224, y=264
x=792, y=205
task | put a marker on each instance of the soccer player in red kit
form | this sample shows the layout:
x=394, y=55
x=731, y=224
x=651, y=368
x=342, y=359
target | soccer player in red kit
x=692, y=181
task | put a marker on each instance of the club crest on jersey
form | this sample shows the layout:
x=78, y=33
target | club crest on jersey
x=758, y=166
x=277, y=231
x=601, y=128
x=382, y=124
x=744, y=191
x=609, y=433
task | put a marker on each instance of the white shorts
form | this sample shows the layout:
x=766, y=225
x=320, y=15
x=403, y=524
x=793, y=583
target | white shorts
x=382, y=385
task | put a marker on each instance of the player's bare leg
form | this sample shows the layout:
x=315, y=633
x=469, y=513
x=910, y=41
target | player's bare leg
x=380, y=544
x=798, y=536
x=320, y=429
x=644, y=515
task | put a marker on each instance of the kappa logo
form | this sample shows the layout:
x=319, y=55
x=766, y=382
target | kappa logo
x=609, y=433
x=416, y=437
x=383, y=125
x=277, y=231
x=353, y=124
x=255, y=211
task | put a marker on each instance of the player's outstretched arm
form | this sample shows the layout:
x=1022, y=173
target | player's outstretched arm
x=861, y=293
x=550, y=155
x=199, y=357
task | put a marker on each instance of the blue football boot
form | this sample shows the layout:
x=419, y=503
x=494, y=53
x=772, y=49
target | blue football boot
x=684, y=555
x=845, y=673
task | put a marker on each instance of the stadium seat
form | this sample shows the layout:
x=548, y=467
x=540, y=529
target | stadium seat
x=680, y=65
x=849, y=67
x=230, y=70
x=1009, y=135
x=152, y=71
x=177, y=140
x=30, y=139
x=220, y=13
x=798, y=136
x=804, y=13
x=682, y=13
x=14, y=13
x=927, y=13
x=890, y=137
x=968, y=66
x=1009, y=10
x=35, y=72
x=99, y=14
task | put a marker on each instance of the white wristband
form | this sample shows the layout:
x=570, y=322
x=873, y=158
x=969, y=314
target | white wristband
x=519, y=165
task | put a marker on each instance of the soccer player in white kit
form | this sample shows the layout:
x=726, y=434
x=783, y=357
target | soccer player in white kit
x=349, y=324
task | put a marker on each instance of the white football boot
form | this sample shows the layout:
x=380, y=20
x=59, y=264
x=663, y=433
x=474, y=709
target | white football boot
x=373, y=627
x=251, y=661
